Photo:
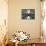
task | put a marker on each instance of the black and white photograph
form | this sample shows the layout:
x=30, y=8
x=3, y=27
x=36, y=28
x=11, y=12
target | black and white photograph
x=28, y=14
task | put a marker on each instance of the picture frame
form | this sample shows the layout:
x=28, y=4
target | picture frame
x=28, y=14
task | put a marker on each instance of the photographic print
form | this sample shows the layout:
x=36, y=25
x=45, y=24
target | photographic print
x=28, y=13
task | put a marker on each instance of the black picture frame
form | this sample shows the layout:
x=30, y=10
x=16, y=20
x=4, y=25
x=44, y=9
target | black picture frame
x=28, y=14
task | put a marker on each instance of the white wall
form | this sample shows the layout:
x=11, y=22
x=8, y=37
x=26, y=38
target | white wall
x=16, y=23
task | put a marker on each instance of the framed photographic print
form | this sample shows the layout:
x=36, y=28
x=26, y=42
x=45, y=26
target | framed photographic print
x=28, y=13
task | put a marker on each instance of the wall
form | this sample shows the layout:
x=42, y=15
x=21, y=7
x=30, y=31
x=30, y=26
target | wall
x=15, y=21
